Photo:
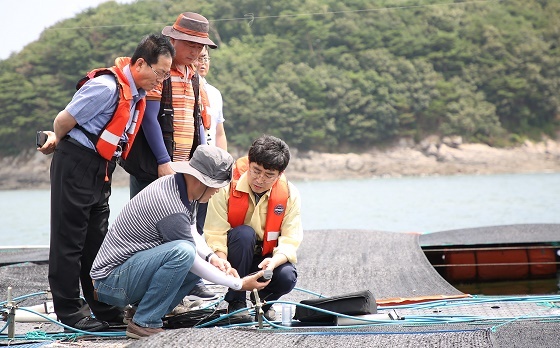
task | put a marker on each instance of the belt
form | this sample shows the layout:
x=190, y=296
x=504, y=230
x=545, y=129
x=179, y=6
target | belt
x=78, y=144
x=85, y=148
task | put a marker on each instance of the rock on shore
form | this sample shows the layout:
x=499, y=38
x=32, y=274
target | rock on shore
x=448, y=156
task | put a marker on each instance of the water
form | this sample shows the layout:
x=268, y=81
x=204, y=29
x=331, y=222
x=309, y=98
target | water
x=427, y=204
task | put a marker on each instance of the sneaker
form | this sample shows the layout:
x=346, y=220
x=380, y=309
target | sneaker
x=270, y=314
x=89, y=324
x=201, y=292
x=185, y=306
x=135, y=331
x=240, y=317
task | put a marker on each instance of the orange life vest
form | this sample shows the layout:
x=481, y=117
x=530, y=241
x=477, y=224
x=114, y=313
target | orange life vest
x=238, y=204
x=110, y=136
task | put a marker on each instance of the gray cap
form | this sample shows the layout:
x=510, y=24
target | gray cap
x=209, y=164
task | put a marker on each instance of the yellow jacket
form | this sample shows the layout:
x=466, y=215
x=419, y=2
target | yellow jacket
x=217, y=226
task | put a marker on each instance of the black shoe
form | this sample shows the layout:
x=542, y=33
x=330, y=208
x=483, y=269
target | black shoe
x=89, y=324
x=240, y=317
x=118, y=321
x=201, y=292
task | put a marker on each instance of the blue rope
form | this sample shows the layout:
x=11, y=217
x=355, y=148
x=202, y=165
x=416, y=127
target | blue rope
x=550, y=301
x=41, y=335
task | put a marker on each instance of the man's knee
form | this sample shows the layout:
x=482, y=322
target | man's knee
x=287, y=279
x=182, y=253
x=242, y=234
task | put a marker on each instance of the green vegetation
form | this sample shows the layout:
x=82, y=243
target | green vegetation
x=325, y=75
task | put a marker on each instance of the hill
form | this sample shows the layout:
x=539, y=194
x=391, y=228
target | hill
x=324, y=75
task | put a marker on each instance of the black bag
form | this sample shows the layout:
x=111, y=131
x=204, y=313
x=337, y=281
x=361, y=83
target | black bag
x=356, y=303
x=200, y=316
x=140, y=161
x=192, y=318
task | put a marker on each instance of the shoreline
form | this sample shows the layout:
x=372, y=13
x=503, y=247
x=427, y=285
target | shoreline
x=30, y=170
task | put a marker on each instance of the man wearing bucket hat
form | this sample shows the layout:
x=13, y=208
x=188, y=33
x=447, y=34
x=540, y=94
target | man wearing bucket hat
x=153, y=256
x=176, y=118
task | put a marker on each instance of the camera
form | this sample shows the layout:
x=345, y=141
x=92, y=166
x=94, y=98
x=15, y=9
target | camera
x=41, y=138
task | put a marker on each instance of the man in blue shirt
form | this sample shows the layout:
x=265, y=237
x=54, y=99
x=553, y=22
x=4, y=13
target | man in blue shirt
x=94, y=129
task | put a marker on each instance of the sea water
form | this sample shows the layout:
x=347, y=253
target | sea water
x=409, y=204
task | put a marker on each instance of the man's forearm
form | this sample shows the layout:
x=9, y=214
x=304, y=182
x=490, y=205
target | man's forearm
x=152, y=131
x=221, y=254
x=62, y=124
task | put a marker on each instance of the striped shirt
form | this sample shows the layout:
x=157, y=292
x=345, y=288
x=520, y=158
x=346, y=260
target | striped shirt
x=158, y=214
x=183, y=110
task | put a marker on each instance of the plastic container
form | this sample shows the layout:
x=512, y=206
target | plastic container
x=286, y=314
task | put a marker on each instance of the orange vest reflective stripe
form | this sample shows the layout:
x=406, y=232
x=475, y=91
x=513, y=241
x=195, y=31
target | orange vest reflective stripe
x=238, y=204
x=110, y=137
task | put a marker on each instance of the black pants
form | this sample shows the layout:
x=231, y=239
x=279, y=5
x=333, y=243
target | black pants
x=137, y=185
x=241, y=245
x=79, y=223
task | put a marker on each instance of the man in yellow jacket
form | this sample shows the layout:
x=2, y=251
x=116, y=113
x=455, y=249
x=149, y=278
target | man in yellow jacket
x=255, y=222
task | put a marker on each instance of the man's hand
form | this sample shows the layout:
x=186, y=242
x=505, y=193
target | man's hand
x=164, y=169
x=49, y=145
x=221, y=264
x=267, y=263
x=250, y=282
x=233, y=272
x=272, y=262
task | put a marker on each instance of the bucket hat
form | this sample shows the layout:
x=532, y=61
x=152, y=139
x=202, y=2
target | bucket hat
x=209, y=164
x=190, y=26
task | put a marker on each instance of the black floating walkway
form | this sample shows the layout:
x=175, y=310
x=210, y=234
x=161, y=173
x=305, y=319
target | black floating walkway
x=389, y=264
x=333, y=262
x=503, y=234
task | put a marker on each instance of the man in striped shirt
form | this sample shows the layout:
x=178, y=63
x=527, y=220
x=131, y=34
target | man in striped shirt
x=153, y=256
x=188, y=35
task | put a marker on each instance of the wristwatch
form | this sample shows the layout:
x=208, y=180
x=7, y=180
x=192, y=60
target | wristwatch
x=207, y=258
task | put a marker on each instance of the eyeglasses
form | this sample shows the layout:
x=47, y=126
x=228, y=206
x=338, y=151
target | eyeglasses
x=203, y=59
x=159, y=75
x=266, y=178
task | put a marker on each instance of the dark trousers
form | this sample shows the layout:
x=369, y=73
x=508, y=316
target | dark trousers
x=79, y=222
x=241, y=245
x=137, y=185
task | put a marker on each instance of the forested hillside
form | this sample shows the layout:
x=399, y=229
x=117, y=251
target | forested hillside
x=325, y=75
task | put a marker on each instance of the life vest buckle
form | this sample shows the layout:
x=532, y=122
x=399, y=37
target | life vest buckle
x=121, y=147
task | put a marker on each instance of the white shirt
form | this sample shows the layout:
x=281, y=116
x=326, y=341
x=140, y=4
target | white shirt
x=215, y=110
